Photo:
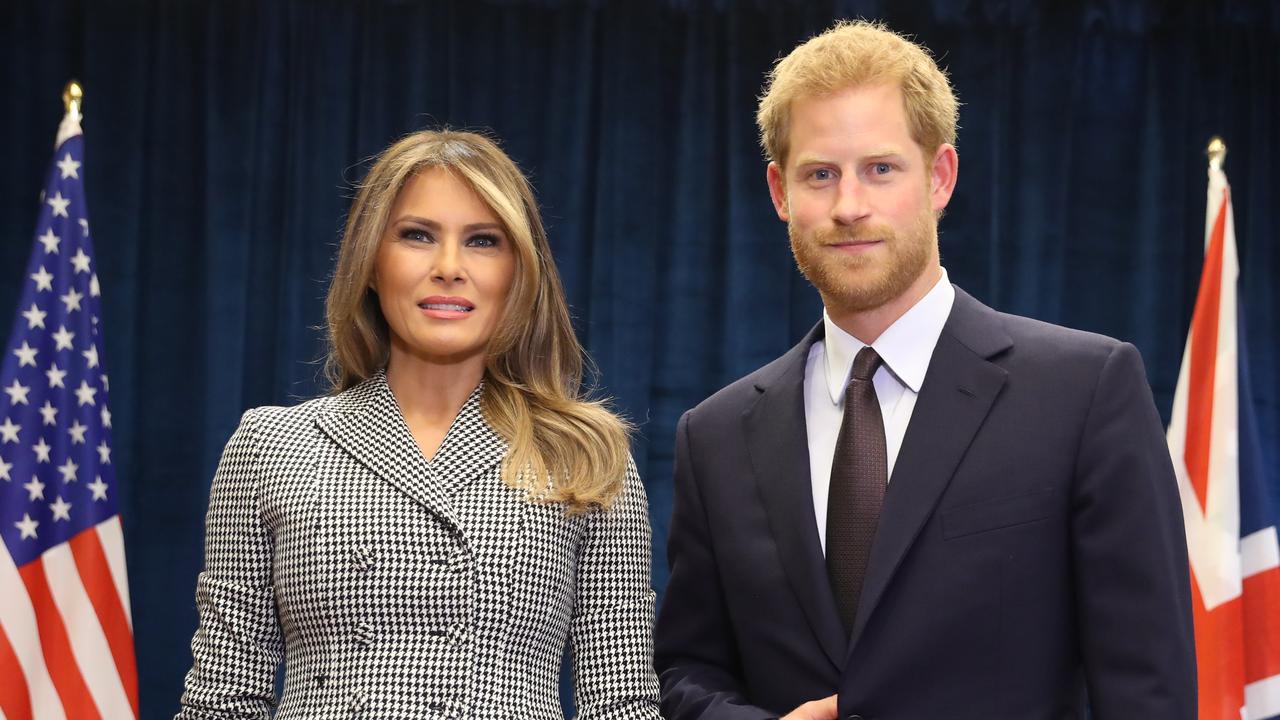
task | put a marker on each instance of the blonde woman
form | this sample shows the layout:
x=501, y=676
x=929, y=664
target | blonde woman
x=423, y=542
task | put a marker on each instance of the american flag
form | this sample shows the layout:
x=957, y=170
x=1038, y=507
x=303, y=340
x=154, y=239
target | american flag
x=1230, y=519
x=66, y=637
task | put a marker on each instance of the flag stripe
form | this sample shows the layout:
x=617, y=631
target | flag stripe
x=1204, y=351
x=1262, y=620
x=89, y=643
x=112, y=538
x=19, y=620
x=1263, y=698
x=1219, y=658
x=58, y=656
x=15, y=699
x=101, y=591
x=1259, y=552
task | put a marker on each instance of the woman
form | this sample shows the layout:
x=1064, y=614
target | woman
x=423, y=542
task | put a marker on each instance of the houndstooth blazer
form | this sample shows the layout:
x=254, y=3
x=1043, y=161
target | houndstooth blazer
x=396, y=587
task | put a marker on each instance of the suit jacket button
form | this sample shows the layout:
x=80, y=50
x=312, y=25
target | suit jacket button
x=855, y=717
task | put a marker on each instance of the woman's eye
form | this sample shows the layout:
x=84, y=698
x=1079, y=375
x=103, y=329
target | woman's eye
x=415, y=234
x=484, y=241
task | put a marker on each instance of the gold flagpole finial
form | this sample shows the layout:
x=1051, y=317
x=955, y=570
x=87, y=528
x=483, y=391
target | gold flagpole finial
x=1217, y=151
x=73, y=97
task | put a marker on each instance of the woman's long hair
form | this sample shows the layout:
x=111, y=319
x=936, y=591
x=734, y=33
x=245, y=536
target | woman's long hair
x=563, y=447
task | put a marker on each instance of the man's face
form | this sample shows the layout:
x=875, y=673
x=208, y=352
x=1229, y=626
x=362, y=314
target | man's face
x=859, y=196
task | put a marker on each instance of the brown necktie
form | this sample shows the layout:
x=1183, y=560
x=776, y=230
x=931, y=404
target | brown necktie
x=859, y=475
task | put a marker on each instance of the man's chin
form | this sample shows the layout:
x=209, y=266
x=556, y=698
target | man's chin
x=859, y=289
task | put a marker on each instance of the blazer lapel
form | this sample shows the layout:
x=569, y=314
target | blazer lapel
x=779, y=450
x=366, y=422
x=959, y=389
x=469, y=449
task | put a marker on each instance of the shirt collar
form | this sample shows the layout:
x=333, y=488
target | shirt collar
x=905, y=347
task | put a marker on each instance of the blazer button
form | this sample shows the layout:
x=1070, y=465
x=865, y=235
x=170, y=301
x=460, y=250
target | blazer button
x=855, y=717
x=364, y=634
x=362, y=559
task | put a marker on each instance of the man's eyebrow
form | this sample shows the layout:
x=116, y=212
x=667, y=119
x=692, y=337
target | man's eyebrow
x=820, y=160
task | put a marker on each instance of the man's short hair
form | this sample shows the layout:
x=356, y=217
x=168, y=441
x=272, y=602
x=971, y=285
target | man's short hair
x=853, y=54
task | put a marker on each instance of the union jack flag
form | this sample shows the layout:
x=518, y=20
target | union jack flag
x=66, y=637
x=1230, y=519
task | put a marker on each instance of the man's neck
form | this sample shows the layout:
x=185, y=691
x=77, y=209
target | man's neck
x=868, y=325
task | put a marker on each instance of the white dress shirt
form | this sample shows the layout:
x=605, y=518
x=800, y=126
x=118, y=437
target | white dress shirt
x=905, y=347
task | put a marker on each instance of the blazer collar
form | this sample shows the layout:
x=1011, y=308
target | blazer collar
x=958, y=391
x=366, y=421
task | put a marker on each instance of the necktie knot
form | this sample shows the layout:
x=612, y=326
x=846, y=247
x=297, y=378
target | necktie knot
x=865, y=363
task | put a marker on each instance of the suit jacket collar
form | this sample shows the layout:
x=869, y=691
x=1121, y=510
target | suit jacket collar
x=958, y=391
x=366, y=421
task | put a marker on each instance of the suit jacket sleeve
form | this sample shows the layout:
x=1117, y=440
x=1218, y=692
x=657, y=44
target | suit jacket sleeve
x=612, y=627
x=237, y=647
x=1130, y=555
x=697, y=657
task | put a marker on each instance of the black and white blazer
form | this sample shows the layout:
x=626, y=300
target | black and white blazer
x=396, y=587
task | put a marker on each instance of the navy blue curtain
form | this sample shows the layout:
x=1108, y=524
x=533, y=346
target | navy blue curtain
x=223, y=139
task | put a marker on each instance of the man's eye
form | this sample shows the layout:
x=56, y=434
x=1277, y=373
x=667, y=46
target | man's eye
x=881, y=168
x=821, y=174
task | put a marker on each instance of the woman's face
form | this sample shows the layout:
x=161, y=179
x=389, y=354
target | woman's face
x=443, y=270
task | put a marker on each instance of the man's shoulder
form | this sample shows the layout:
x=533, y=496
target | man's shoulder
x=1059, y=338
x=732, y=400
x=737, y=395
x=1029, y=338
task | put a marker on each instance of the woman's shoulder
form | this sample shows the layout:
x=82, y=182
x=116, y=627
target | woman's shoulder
x=294, y=422
x=271, y=419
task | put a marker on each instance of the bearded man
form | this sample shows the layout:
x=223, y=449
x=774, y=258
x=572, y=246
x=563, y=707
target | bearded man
x=927, y=508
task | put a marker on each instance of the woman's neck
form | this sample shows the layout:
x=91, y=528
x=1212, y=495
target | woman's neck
x=432, y=392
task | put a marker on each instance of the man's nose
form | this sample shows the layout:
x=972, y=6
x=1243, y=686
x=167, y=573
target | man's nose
x=851, y=201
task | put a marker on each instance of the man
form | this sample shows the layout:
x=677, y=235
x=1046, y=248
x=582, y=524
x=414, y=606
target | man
x=927, y=508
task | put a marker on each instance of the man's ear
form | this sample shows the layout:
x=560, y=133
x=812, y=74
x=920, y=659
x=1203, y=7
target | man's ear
x=942, y=175
x=778, y=191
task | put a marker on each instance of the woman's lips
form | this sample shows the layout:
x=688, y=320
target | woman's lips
x=446, y=308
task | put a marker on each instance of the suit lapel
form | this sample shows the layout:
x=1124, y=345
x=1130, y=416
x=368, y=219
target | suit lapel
x=366, y=422
x=779, y=450
x=958, y=391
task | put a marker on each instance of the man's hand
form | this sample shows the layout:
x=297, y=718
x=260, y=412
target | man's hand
x=824, y=709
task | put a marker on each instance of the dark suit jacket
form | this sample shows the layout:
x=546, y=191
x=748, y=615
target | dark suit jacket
x=1030, y=544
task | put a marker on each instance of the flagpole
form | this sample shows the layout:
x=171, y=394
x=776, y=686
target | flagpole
x=72, y=100
x=73, y=97
x=1217, y=151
